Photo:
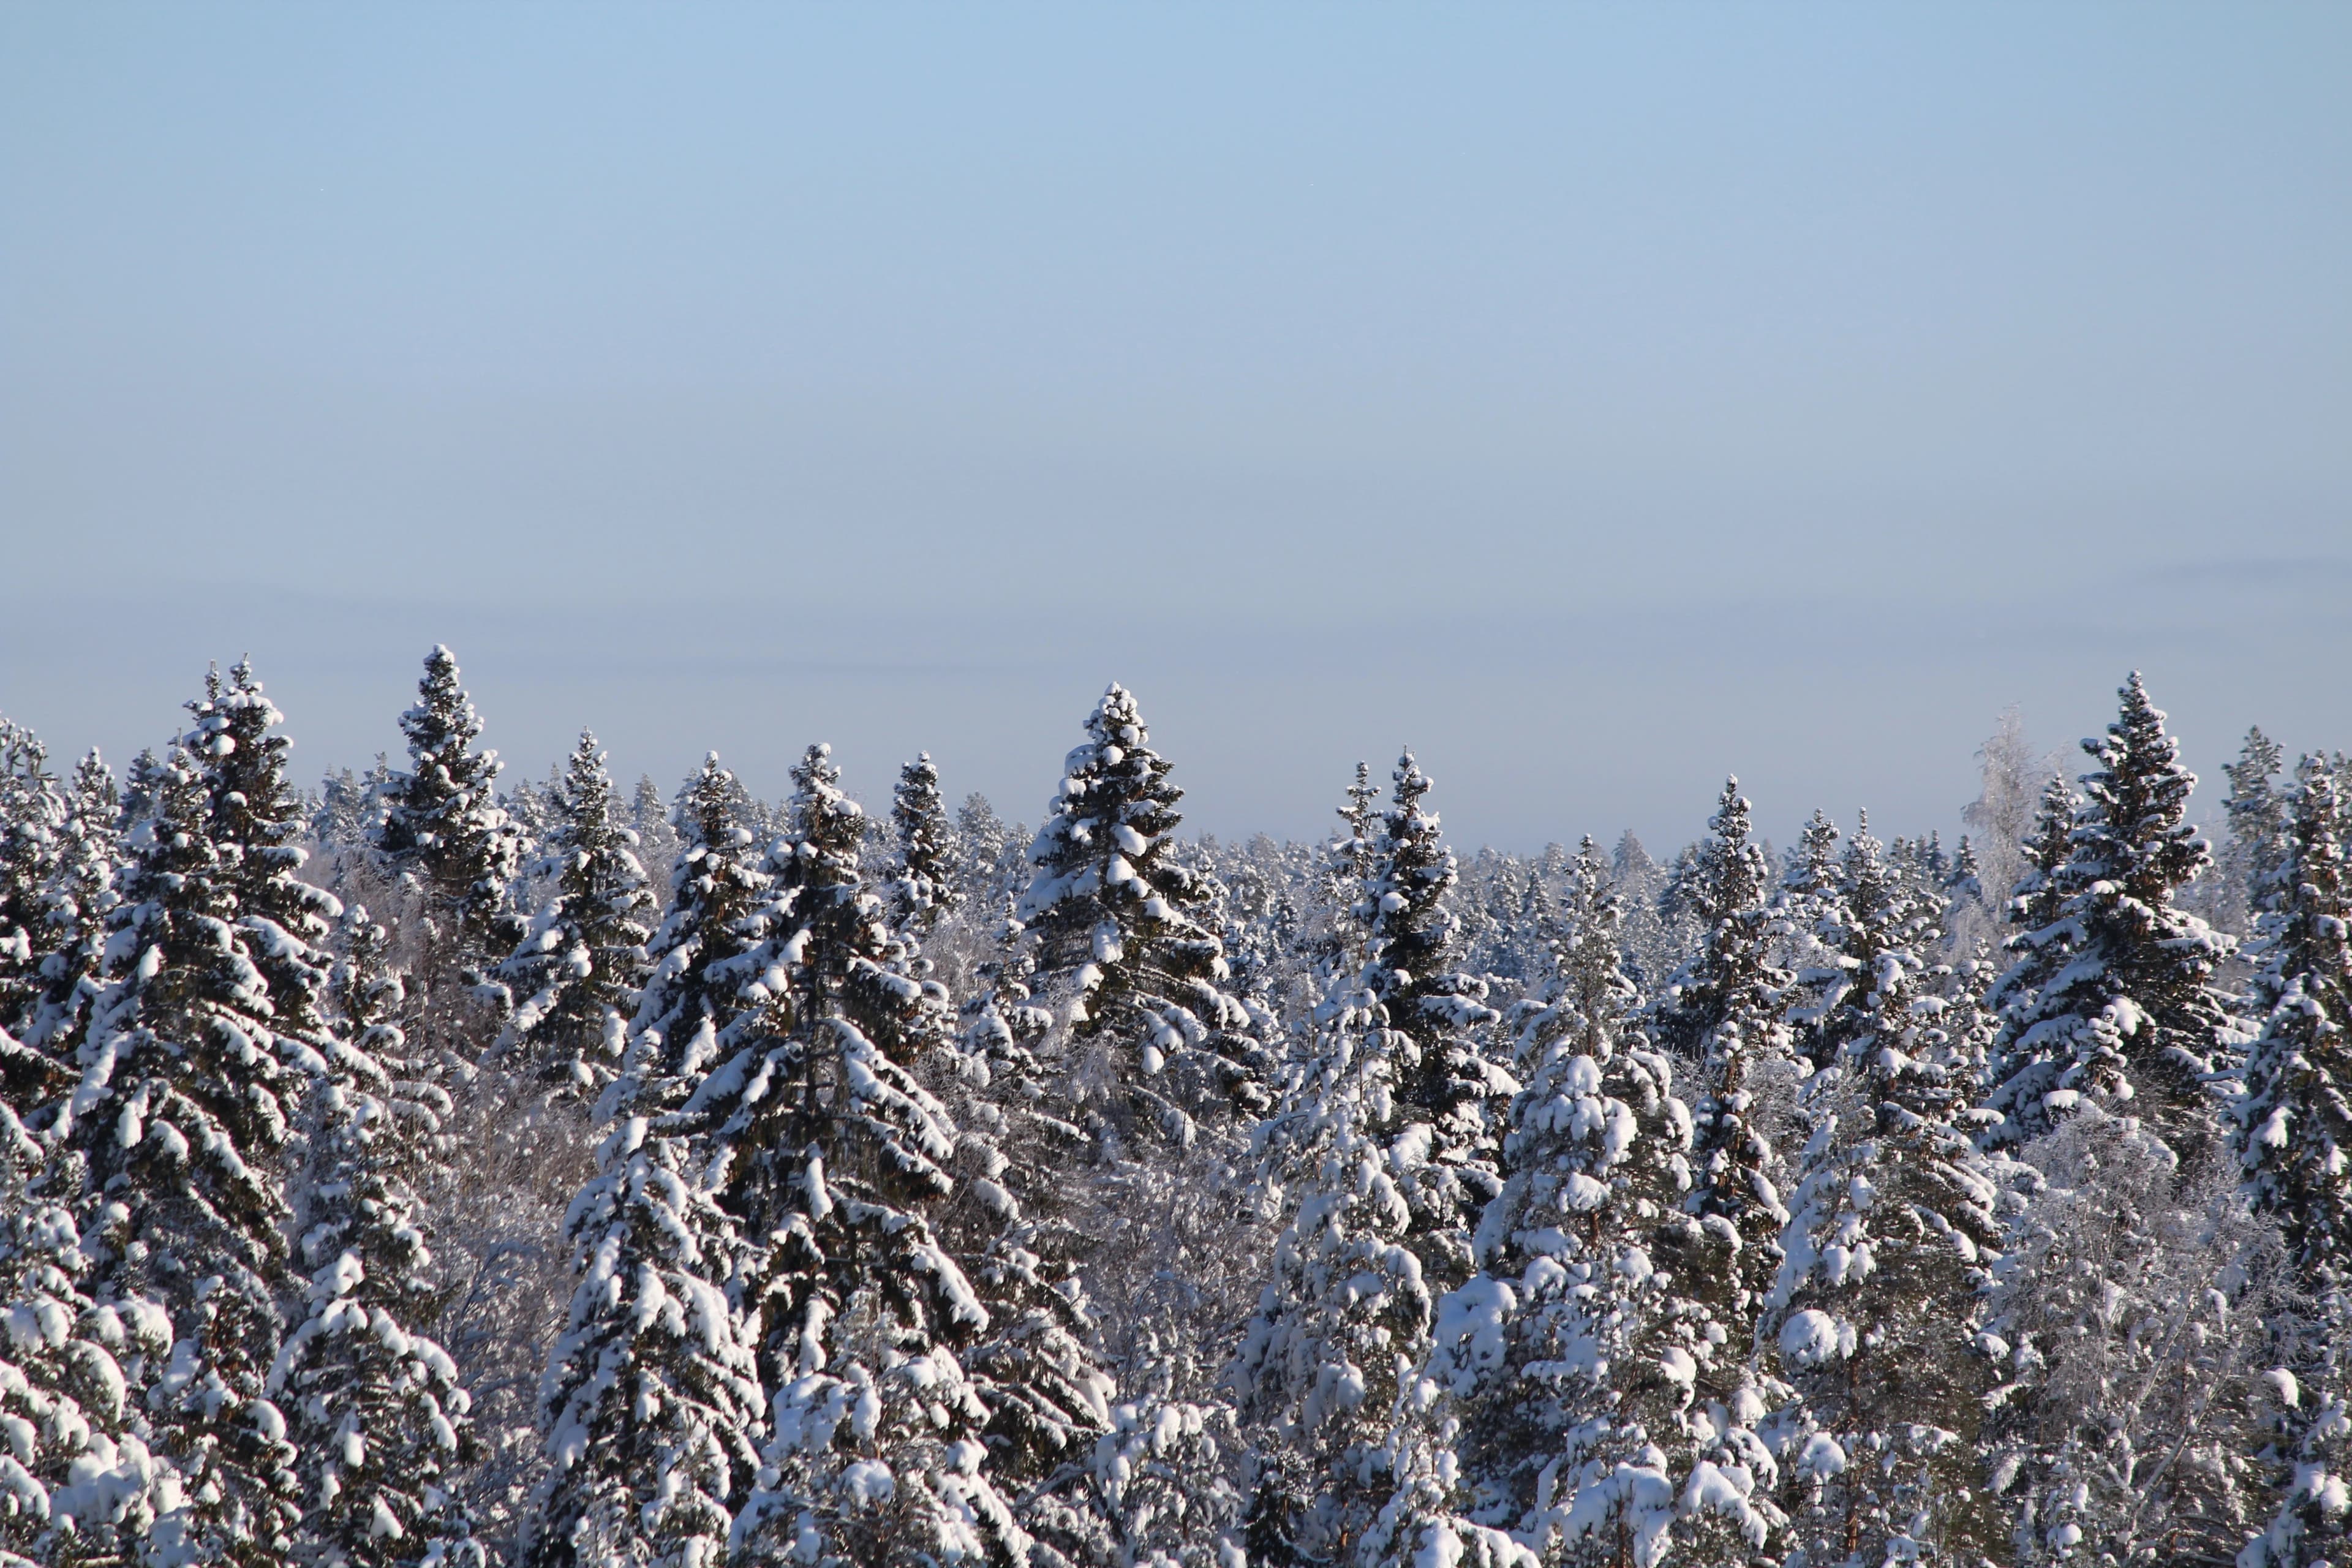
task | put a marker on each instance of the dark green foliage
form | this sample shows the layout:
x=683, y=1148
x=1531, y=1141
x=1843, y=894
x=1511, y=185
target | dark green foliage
x=176, y=1151
x=1121, y=952
x=2129, y=1017
x=925, y=887
x=578, y=969
x=442, y=822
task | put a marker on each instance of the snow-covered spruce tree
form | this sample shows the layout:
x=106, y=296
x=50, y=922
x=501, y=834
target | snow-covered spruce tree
x=1722, y=1015
x=172, y=1150
x=1963, y=890
x=1121, y=953
x=1594, y=1410
x=2258, y=815
x=344, y=808
x=1049, y=1398
x=657, y=842
x=924, y=889
x=140, y=782
x=2292, y=1137
x=1388, y=1147
x=1347, y=1311
x=992, y=855
x=533, y=811
x=1970, y=1027
x=832, y=1155
x=2039, y=943
x=442, y=821
x=1886, y=1256
x=1656, y=943
x=77, y=906
x=2129, y=1304
x=1009, y=1223
x=257, y=821
x=77, y=1481
x=1411, y=988
x=1002, y=1026
x=652, y=1402
x=373, y=1402
x=579, y=968
x=1811, y=910
x=1348, y=863
x=30, y=808
x=2132, y=1021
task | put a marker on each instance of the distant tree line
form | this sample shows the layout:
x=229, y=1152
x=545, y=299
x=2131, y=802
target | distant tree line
x=403, y=1173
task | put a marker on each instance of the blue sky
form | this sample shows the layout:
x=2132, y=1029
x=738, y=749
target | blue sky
x=1599, y=398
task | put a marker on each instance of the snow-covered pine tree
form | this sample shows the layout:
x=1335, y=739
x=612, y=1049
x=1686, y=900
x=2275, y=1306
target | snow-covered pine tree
x=171, y=1151
x=832, y=1156
x=533, y=811
x=579, y=967
x=1811, y=910
x=2292, y=1137
x=992, y=855
x=442, y=821
x=30, y=808
x=1934, y=864
x=1651, y=952
x=32, y=811
x=652, y=1401
x=2132, y=1020
x=1002, y=1026
x=140, y=782
x=78, y=905
x=1347, y=1313
x=1964, y=887
x=1255, y=913
x=1970, y=1027
x=374, y=1405
x=2258, y=815
x=1387, y=1148
x=1885, y=1256
x=657, y=842
x=1723, y=1015
x=62, y=1405
x=77, y=1481
x=1537, y=928
x=342, y=821
x=2039, y=943
x=1331, y=944
x=924, y=889
x=1121, y=953
x=1349, y=866
x=1009, y=1223
x=257, y=821
x=1410, y=987
x=1585, y=1379
x=1489, y=896
x=1048, y=1397
x=2130, y=1299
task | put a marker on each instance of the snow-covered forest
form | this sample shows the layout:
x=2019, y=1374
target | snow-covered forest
x=432, y=1167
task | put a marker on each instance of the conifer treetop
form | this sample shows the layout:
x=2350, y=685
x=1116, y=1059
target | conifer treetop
x=257, y=821
x=176, y=1134
x=581, y=964
x=2127, y=1015
x=443, y=818
x=1116, y=916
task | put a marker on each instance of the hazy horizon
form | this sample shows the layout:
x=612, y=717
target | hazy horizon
x=1600, y=400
